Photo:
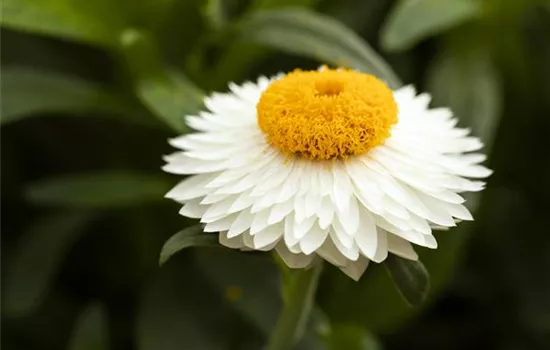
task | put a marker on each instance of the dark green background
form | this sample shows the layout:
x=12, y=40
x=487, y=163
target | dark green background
x=91, y=90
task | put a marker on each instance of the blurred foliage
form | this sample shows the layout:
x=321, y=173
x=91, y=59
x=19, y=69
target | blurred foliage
x=83, y=215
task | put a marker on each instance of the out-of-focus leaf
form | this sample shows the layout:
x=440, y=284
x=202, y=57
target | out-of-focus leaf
x=91, y=330
x=106, y=189
x=249, y=282
x=36, y=261
x=190, y=237
x=214, y=13
x=410, y=277
x=314, y=35
x=413, y=20
x=167, y=93
x=271, y=4
x=468, y=84
x=181, y=309
x=26, y=92
x=95, y=22
x=351, y=337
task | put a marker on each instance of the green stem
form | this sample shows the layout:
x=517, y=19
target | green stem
x=298, y=304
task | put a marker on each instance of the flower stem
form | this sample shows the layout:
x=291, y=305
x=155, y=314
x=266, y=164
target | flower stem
x=295, y=314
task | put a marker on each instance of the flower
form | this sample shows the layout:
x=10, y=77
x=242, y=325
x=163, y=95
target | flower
x=328, y=163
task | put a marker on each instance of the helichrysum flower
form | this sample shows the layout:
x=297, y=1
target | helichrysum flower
x=328, y=163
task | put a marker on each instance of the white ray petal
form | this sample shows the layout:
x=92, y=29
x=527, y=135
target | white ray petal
x=193, y=209
x=220, y=225
x=279, y=211
x=367, y=236
x=342, y=189
x=356, y=269
x=382, y=247
x=314, y=238
x=234, y=242
x=268, y=236
x=190, y=188
x=241, y=223
x=303, y=227
x=326, y=212
x=332, y=254
x=259, y=222
x=295, y=261
x=401, y=247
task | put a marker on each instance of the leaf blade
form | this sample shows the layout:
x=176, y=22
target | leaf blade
x=306, y=33
x=410, y=277
x=103, y=189
x=38, y=256
x=91, y=329
x=27, y=92
x=189, y=237
x=414, y=20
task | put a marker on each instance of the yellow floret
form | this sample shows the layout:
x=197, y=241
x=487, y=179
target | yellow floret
x=327, y=114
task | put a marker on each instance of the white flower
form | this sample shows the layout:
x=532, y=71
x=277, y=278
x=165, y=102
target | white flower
x=328, y=163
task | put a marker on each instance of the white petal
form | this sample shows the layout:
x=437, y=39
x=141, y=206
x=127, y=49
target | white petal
x=234, y=242
x=190, y=188
x=259, y=222
x=301, y=228
x=241, y=223
x=220, y=225
x=326, y=213
x=193, y=209
x=268, y=235
x=342, y=190
x=315, y=237
x=401, y=247
x=295, y=261
x=367, y=236
x=382, y=247
x=279, y=211
x=356, y=269
x=350, y=218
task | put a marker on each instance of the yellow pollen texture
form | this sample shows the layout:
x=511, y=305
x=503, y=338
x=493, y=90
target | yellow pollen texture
x=327, y=114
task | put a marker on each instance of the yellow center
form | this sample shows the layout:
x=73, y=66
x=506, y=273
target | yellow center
x=327, y=114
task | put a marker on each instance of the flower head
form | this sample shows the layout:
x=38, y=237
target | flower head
x=328, y=163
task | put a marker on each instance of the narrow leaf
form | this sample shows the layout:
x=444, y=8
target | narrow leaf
x=107, y=189
x=351, y=337
x=414, y=20
x=91, y=330
x=189, y=237
x=410, y=277
x=39, y=254
x=469, y=84
x=95, y=22
x=167, y=93
x=26, y=92
x=317, y=36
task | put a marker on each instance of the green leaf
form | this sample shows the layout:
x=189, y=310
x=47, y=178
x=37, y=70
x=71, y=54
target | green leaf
x=214, y=13
x=27, y=92
x=39, y=254
x=414, y=20
x=351, y=337
x=271, y=4
x=317, y=36
x=179, y=309
x=91, y=330
x=95, y=22
x=167, y=93
x=189, y=237
x=250, y=282
x=469, y=84
x=410, y=277
x=106, y=189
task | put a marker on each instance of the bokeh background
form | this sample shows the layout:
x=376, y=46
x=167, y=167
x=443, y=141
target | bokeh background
x=91, y=90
